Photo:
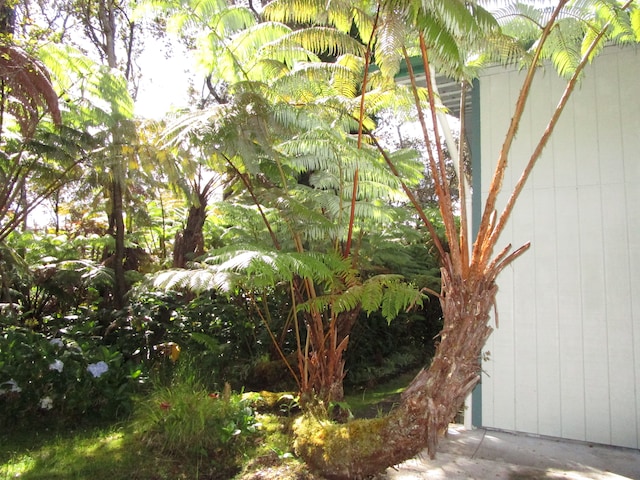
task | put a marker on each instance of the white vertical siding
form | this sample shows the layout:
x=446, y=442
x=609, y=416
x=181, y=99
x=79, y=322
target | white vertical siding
x=565, y=360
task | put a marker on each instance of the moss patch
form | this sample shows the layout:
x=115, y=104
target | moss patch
x=321, y=441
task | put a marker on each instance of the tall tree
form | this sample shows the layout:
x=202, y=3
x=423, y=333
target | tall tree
x=99, y=103
x=110, y=30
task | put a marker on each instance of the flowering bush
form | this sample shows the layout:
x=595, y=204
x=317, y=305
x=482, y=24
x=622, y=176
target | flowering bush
x=61, y=378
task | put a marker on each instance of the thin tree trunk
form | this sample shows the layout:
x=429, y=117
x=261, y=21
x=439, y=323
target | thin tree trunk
x=120, y=286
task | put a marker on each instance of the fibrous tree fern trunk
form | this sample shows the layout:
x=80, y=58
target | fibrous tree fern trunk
x=189, y=242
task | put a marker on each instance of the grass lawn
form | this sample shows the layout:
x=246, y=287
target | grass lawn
x=97, y=453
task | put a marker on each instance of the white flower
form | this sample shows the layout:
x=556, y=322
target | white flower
x=13, y=387
x=56, y=342
x=57, y=365
x=97, y=369
x=46, y=403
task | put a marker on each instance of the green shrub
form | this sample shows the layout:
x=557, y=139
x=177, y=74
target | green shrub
x=188, y=422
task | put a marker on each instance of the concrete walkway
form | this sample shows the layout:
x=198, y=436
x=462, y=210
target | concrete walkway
x=485, y=454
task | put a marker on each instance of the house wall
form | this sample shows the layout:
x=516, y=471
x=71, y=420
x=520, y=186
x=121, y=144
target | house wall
x=565, y=360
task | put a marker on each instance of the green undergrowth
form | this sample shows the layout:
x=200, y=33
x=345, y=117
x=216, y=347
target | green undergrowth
x=116, y=453
x=165, y=440
x=158, y=448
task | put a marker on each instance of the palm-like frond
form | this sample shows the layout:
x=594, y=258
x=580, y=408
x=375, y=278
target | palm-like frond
x=260, y=42
x=563, y=47
x=191, y=16
x=624, y=25
x=445, y=50
x=195, y=280
x=635, y=22
x=27, y=81
x=324, y=40
x=101, y=96
x=229, y=20
x=338, y=14
x=266, y=267
x=391, y=38
x=304, y=85
x=577, y=27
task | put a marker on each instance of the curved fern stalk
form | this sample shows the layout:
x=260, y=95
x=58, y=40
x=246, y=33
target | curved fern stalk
x=587, y=56
x=483, y=247
x=245, y=180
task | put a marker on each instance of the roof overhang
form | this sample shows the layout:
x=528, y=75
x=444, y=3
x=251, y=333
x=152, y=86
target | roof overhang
x=449, y=90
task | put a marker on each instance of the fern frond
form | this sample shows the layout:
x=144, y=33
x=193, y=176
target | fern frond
x=324, y=40
x=265, y=268
x=521, y=20
x=391, y=38
x=270, y=68
x=27, y=81
x=454, y=16
x=398, y=296
x=304, y=12
x=445, y=54
x=298, y=12
x=196, y=280
x=635, y=23
x=622, y=29
x=364, y=22
x=230, y=20
x=385, y=293
x=250, y=44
